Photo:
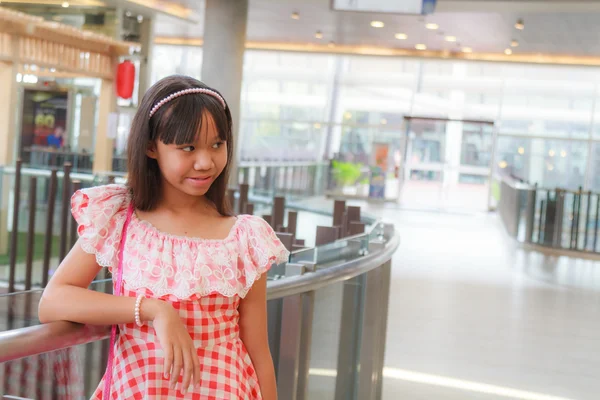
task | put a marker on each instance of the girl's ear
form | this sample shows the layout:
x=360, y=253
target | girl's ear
x=151, y=150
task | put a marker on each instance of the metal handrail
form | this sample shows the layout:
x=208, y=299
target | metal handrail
x=29, y=341
x=328, y=276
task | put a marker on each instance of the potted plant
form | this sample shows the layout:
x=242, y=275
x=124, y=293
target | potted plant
x=346, y=174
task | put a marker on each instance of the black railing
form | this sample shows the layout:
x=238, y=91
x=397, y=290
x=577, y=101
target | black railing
x=556, y=218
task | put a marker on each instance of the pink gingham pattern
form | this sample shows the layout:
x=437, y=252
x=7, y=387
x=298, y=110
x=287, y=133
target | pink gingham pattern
x=203, y=279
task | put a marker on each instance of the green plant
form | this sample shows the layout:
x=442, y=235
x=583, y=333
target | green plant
x=346, y=173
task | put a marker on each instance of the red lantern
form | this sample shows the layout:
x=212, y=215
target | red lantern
x=125, y=79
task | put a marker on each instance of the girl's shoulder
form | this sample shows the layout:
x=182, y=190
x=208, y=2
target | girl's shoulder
x=100, y=213
x=103, y=197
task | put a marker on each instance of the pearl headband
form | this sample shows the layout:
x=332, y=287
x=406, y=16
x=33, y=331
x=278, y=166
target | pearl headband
x=184, y=92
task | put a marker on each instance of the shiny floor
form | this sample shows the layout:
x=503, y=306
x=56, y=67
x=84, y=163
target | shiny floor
x=475, y=316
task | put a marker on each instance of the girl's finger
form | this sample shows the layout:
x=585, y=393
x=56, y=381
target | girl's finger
x=177, y=365
x=188, y=371
x=196, y=362
x=168, y=363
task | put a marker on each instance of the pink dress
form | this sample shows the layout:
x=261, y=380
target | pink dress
x=203, y=279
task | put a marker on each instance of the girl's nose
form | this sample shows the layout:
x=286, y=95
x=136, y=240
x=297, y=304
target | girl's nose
x=203, y=161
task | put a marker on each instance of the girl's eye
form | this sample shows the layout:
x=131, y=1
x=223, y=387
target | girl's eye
x=188, y=148
x=217, y=145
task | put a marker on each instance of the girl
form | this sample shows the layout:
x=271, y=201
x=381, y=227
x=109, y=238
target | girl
x=192, y=311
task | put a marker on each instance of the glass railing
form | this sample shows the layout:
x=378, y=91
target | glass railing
x=322, y=342
x=555, y=218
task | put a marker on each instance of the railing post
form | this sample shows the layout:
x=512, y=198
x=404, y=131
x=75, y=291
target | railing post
x=559, y=218
x=373, y=329
x=15, y=229
x=306, y=330
x=49, y=227
x=73, y=235
x=31, y=231
x=65, y=211
x=530, y=214
x=587, y=220
x=289, y=342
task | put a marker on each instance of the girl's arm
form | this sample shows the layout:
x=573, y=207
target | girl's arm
x=67, y=298
x=253, y=332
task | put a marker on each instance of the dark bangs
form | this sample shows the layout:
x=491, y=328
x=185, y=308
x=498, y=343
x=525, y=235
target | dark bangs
x=181, y=119
x=177, y=122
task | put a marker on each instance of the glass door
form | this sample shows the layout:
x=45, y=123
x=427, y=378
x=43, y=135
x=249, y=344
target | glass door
x=447, y=164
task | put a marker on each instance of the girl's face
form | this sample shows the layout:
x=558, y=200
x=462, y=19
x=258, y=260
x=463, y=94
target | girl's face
x=192, y=167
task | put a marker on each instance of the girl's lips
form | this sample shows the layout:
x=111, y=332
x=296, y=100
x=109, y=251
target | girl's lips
x=200, y=181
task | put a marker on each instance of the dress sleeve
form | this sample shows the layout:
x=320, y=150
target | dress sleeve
x=264, y=247
x=261, y=248
x=100, y=213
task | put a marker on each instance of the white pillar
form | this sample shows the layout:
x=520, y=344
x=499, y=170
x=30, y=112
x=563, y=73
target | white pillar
x=8, y=108
x=223, y=57
x=103, y=148
x=147, y=42
x=8, y=137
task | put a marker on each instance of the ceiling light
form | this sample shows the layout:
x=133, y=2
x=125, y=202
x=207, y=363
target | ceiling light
x=520, y=25
x=521, y=150
x=319, y=35
x=550, y=167
x=503, y=164
x=514, y=43
x=383, y=121
x=65, y=4
x=317, y=125
x=377, y=24
x=432, y=26
x=508, y=52
x=450, y=38
x=128, y=14
x=551, y=153
x=140, y=18
x=401, y=36
x=347, y=115
x=467, y=50
x=295, y=15
x=563, y=154
x=421, y=46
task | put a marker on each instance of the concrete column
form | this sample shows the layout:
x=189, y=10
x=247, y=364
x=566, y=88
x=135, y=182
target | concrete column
x=147, y=42
x=8, y=138
x=223, y=57
x=103, y=148
x=8, y=108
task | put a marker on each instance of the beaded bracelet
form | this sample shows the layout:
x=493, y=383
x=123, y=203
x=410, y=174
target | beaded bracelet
x=138, y=303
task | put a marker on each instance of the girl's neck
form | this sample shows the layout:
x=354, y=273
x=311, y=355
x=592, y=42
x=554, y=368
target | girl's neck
x=177, y=202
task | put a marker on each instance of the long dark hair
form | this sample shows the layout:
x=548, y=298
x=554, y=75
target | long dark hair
x=179, y=122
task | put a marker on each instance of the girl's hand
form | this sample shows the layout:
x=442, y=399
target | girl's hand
x=179, y=349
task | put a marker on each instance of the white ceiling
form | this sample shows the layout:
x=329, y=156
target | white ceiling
x=551, y=26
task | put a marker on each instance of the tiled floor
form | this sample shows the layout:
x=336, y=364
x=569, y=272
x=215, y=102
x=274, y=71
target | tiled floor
x=474, y=316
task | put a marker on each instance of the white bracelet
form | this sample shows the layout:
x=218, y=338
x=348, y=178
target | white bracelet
x=138, y=303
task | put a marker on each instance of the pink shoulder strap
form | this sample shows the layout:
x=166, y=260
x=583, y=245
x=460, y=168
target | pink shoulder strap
x=117, y=292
